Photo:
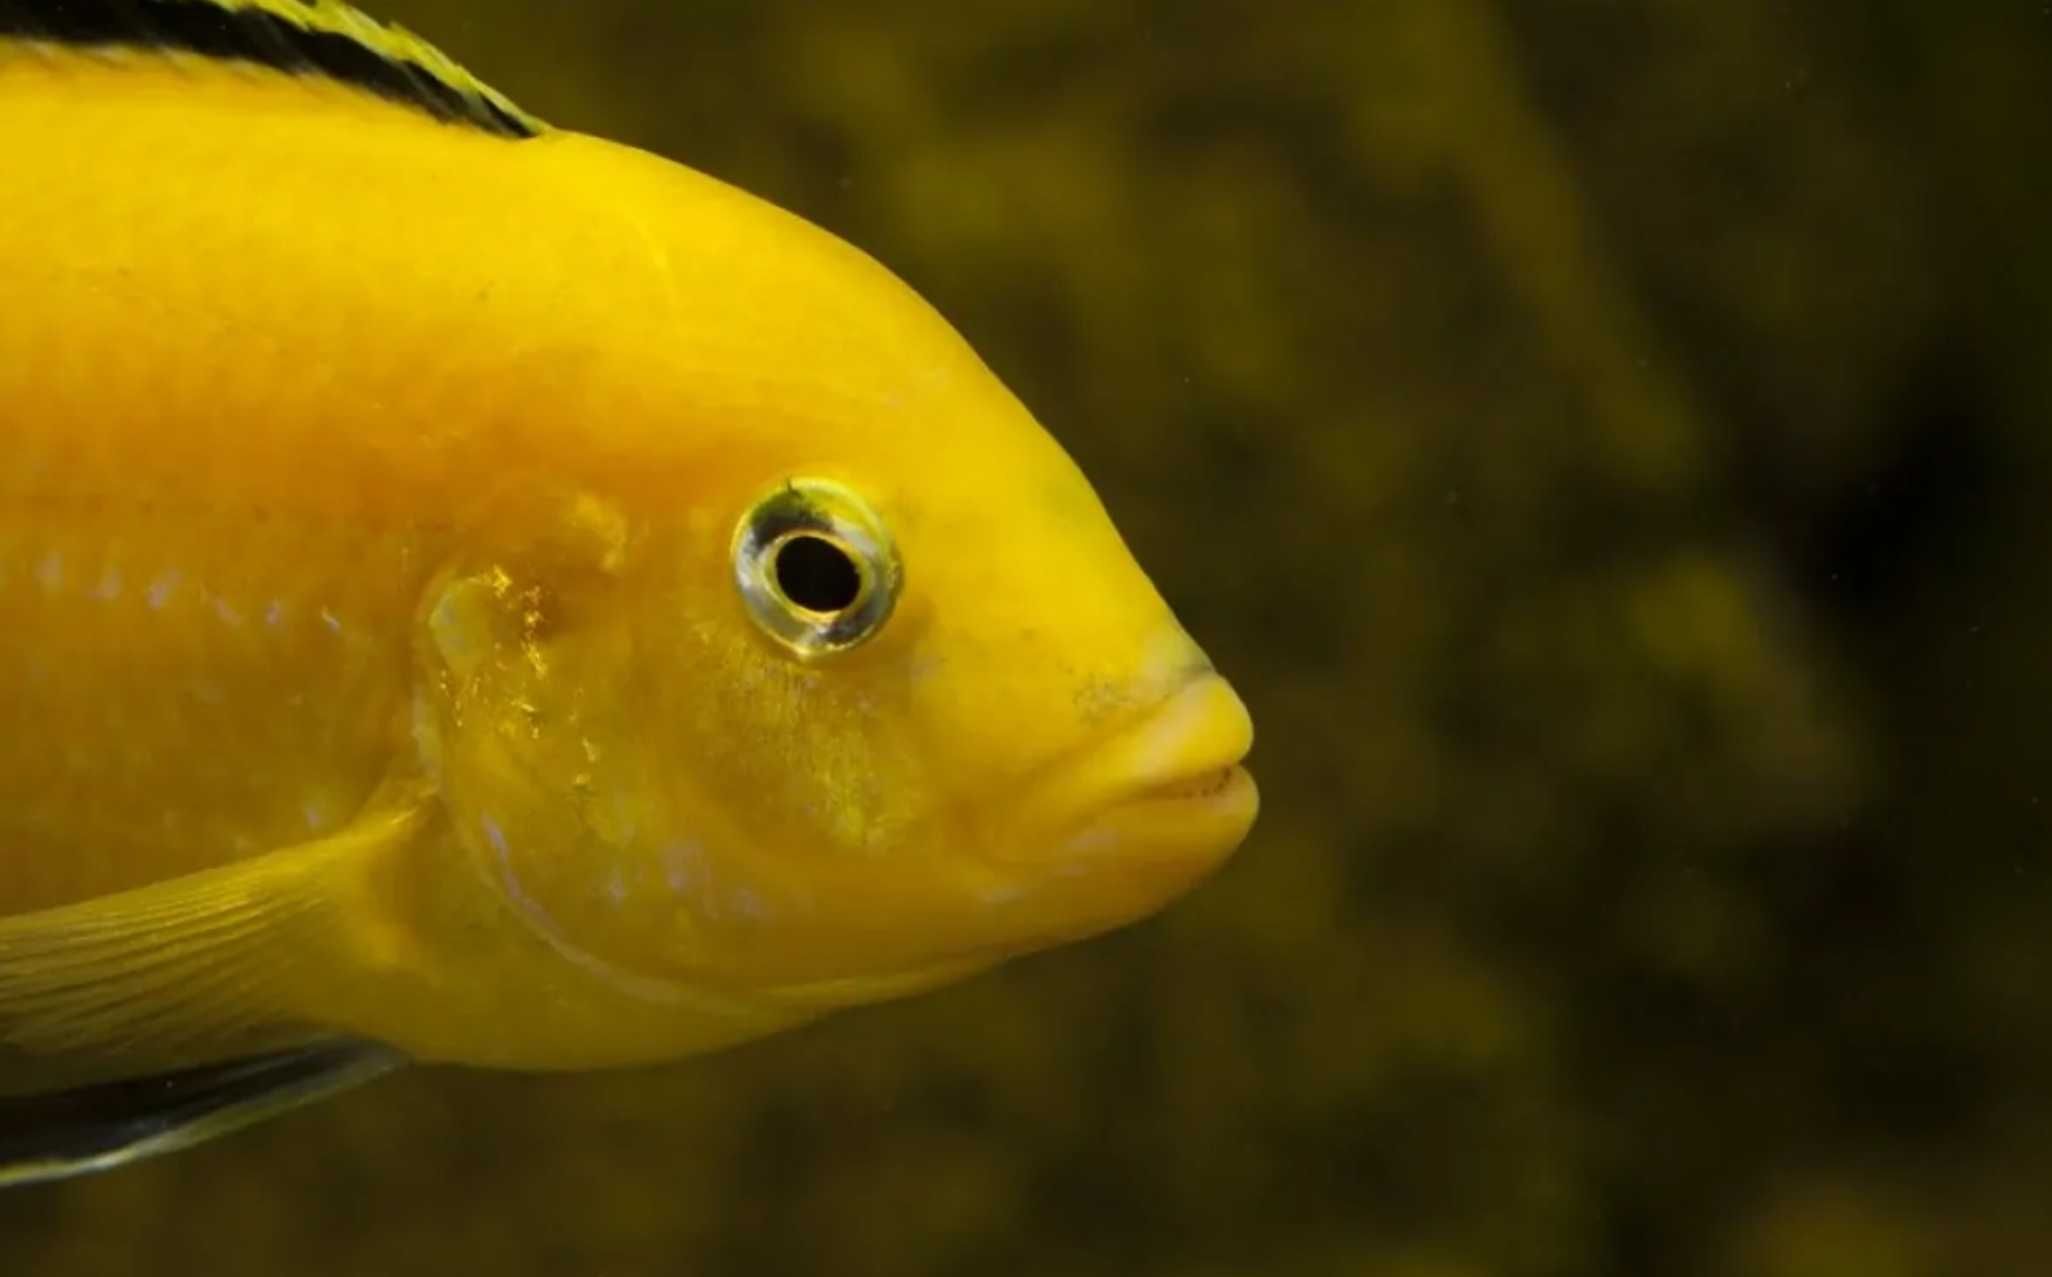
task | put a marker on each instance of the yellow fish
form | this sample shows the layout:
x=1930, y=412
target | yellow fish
x=477, y=593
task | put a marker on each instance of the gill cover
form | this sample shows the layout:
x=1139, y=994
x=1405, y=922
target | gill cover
x=518, y=724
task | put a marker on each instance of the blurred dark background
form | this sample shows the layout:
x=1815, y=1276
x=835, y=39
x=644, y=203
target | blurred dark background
x=1607, y=444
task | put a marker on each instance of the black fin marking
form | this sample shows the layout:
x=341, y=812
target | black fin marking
x=301, y=37
x=72, y=1133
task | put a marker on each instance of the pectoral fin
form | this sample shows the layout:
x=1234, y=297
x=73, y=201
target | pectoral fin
x=224, y=964
x=98, y=1128
x=155, y=1019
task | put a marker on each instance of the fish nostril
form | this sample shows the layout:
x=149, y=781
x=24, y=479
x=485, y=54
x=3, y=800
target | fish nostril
x=1173, y=661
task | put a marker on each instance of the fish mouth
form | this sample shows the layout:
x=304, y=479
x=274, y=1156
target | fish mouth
x=1124, y=827
x=1167, y=798
x=1197, y=788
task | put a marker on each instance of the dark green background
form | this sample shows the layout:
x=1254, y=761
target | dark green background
x=1607, y=444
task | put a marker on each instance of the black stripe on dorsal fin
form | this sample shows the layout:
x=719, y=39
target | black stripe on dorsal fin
x=304, y=37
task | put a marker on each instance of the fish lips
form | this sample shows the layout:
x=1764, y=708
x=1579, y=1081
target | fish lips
x=1148, y=813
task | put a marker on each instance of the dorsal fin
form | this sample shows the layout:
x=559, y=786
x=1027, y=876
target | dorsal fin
x=304, y=37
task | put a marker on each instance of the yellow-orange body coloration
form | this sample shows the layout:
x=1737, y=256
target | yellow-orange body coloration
x=373, y=664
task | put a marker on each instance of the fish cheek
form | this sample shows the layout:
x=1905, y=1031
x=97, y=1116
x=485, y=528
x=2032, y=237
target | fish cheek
x=519, y=709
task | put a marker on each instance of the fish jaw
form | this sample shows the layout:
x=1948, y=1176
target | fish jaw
x=1141, y=817
x=1124, y=828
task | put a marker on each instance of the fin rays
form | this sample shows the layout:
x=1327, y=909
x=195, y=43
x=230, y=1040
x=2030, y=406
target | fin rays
x=151, y=1020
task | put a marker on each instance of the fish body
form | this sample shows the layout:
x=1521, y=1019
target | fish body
x=488, y=592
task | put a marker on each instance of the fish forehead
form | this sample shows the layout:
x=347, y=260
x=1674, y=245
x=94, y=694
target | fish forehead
x=561, y=301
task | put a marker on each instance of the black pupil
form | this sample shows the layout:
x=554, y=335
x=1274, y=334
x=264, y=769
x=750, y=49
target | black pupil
x=817, y=575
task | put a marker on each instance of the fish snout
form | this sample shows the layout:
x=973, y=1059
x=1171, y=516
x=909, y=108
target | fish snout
x=1162, y=801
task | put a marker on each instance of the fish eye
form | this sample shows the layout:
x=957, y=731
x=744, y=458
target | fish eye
x=817, y=574
x=816, y=567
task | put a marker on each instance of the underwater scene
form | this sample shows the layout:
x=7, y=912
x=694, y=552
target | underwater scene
x=561, y=720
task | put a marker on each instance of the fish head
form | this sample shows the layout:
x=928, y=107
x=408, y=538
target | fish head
x=873, y=693
x=954, y=722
